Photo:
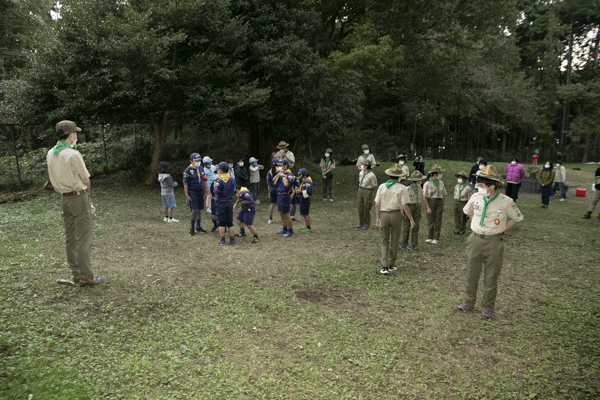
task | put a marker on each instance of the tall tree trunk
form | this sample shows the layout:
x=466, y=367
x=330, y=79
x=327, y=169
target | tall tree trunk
x=565, y=122
x=161, y=130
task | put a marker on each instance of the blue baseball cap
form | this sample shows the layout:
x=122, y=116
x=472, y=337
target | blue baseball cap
x=252, y=159
x=274, y=161
x=206, y=160
x=283, y=162
x=224, y=167
x=303, y=171
x=195, y=156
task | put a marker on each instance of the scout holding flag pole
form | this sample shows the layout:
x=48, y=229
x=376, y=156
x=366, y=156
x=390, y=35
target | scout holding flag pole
x=489, y=211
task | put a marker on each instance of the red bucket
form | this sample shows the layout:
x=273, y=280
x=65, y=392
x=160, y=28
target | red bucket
x=580, y=192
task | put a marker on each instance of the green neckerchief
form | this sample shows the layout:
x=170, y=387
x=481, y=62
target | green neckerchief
x=60, y=146
x=437, y=185
x=390, y=183
x=485, y=204
x=460, y=191
x=327, y=162
x=416, y=190
x=363, y=177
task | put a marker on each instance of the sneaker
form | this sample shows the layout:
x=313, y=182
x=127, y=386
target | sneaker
x=240, y=234
x=281, y=232
x=563, y=200
x=208, y=210
x=200, y=230
x=413, y=248
x=404, y=246
x=486, y=315
x=384, y=271
x=306, y=230
x=331, y=200
x=434, y=241
x=256, y=240
x=222, y=242
x=270, y=221
x=173, y=220
x=428, y=241
x=463, y=307
x=232, y=241
x=392, y=268
x=166, y=219
x=288, y=234
x=192, y=233
x=97, y=280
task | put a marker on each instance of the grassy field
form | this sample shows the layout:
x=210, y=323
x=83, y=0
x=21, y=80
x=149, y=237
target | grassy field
x=308, y=317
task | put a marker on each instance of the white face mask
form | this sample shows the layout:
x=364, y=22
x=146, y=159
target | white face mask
x=513, y=162
x=362, y=167
x=197, y=163
x=460, y=180
x=482, y=191
x=74, y=143
x=440, y=176
x=241, y=164
x=326, y=155
x=481, y=166
x=280, y=168
x=401, y=162
x=366, y=152
x=547, y=166
x=230, y=166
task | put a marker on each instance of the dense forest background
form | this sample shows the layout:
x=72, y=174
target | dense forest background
x=443, y=78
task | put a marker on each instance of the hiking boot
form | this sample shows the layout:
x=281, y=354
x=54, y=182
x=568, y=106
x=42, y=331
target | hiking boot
x=463, y=307
x=486, y=315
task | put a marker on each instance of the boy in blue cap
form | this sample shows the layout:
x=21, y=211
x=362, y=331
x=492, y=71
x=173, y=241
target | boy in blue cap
x=194, y=185
x=247, y=212
x=284, y=181
x=272, y=189
x=304, y=191
x=224, y=190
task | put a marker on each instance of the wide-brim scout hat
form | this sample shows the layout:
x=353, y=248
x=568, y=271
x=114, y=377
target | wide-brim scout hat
x=489, y=172
x=395, y=170
x=67, y=126
x=328, y=150
x=462, y=174
x=436, y=168
x=401, y=157
x=365, y=147
x=282, y=145
x=367, y=162
x=416, y=176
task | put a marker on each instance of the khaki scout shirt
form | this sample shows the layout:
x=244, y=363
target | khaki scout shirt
x=362, y=158
x=390, y=199
x=404, y=169
x=496, y=215
x=430, y=190
x=327, y=165
x=370, y=181
x=67, y=171
x=413, y=195
x=465, y=194
x=281, y=154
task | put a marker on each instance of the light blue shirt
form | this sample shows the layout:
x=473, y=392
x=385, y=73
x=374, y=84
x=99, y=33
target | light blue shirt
x=211, y=175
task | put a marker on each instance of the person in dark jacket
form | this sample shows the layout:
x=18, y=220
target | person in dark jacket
x=546, y=178
x=241, y=174
x=481, y=163
x=419, y=165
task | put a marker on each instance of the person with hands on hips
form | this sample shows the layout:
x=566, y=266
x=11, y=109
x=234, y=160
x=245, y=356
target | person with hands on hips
x=70, y=177
x=489, y=211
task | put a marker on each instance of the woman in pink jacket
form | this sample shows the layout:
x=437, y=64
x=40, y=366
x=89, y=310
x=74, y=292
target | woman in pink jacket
x=514, y=173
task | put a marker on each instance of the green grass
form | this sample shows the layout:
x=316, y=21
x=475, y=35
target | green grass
x=180, y=317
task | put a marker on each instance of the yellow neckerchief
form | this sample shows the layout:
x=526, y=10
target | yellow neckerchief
x=306, y=180
x=242, y=189
x=276, y=177
x=198, y=172
x=225, y=177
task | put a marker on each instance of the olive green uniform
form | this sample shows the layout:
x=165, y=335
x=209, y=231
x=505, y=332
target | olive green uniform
x=362, y=158
x=366, y=186
x=413, y=196
x=435, y=197
x=462, y=193
x=390, y=215
x=485, y=249
x=67, y=171
x=327, y=165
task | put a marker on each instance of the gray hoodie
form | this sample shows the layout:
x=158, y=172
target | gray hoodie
x=166, y=184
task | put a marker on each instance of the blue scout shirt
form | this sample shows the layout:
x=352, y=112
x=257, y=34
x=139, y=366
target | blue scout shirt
x=270, y=180
x=194, y=177
x=245, y=195
x=307, y=185
x=280, y=185
x=224, y=187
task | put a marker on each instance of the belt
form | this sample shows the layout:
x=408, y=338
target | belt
x=223, y=201
x=362, y=187
x=391, y=211
x=73, y=193
x=283, y=192
x=496, y=236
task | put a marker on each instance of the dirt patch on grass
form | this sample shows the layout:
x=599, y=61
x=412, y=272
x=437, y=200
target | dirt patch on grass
x=331, y=296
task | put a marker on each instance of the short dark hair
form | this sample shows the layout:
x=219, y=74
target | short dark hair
x=482, y=161
x=514, y=159
x=229, y=161
x=487, y=182
x=62, y=135
x=164, y=167
x=241, y=159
